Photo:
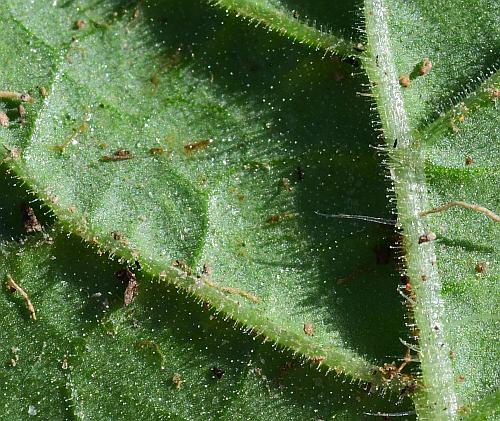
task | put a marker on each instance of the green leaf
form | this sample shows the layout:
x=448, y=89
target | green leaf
x=86, y=356
x=431, y=165
x=232, y=150
x=319, y=24
x=237, y=138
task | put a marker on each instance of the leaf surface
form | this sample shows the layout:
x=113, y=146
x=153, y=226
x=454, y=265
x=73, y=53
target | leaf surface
x=206, y=163
x=87, y=356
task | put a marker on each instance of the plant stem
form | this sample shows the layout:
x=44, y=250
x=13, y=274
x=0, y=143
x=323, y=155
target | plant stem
x=436, y=398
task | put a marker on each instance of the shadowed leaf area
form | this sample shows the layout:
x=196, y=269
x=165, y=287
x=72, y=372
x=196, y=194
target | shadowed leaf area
x=86, y=356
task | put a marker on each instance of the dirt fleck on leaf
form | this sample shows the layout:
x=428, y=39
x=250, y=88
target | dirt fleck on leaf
x=198, y=146
x=177, y=380
x=30, y=220
x=404, y=81
x=309, y=329
x=4, y=120
x=127, y=276
x=119, y=155
x=12, y=286
x=218, y=372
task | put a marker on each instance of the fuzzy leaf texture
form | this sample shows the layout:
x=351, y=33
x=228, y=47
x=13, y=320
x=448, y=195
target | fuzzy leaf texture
x=171, y=135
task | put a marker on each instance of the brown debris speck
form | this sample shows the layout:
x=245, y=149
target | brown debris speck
x=309, y=329
x=4, y=119
x=318, y=359
x=30, y=220
x=404, y=81
x=425, y=67
x=80, y=24
x=42, y=90
x=481, y=267
x=22, y=112
x=295, y=14
x=177, y=380
x=206, y=269
x=469, y=160
x=192, y=147
x=126, y=275
x=157, y=151
x=13, y=287
x=119, y=155
x=425, y=238
x=286, y=184
x=15, y=96
x=218, y=372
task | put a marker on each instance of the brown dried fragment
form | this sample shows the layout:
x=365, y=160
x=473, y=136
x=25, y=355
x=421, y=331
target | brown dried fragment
x=206, y=269
x=15, y=96
x=230, y=290
x=404, y=81
x=193, y=147
x=65, y=364
x=13, y=287
x=80, y=24
x=157, y=151
x=218, y=372
x=42, y=90
x=425, y=238
x=22, y=112
x=286, y=184
x=425, y=67
x=481, y=267
x=489, y=213
x=389, y=371
x=31, y=223
x=177, y=380
x=127, y=276
x=469, y=160
x=277, y=218
x=318, y=359
x=119, y=155
x=309, y=329
x=4, y=119
x=495, y=94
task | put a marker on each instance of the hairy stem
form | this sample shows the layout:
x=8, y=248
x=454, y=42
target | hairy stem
x=436, y=398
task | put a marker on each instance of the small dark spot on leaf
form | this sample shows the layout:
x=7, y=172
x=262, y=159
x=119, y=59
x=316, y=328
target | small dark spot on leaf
x=80, y=24
x=218, y=372
x=119, y=155
x=309, y=329
x=193, y=147
x=481, y=267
